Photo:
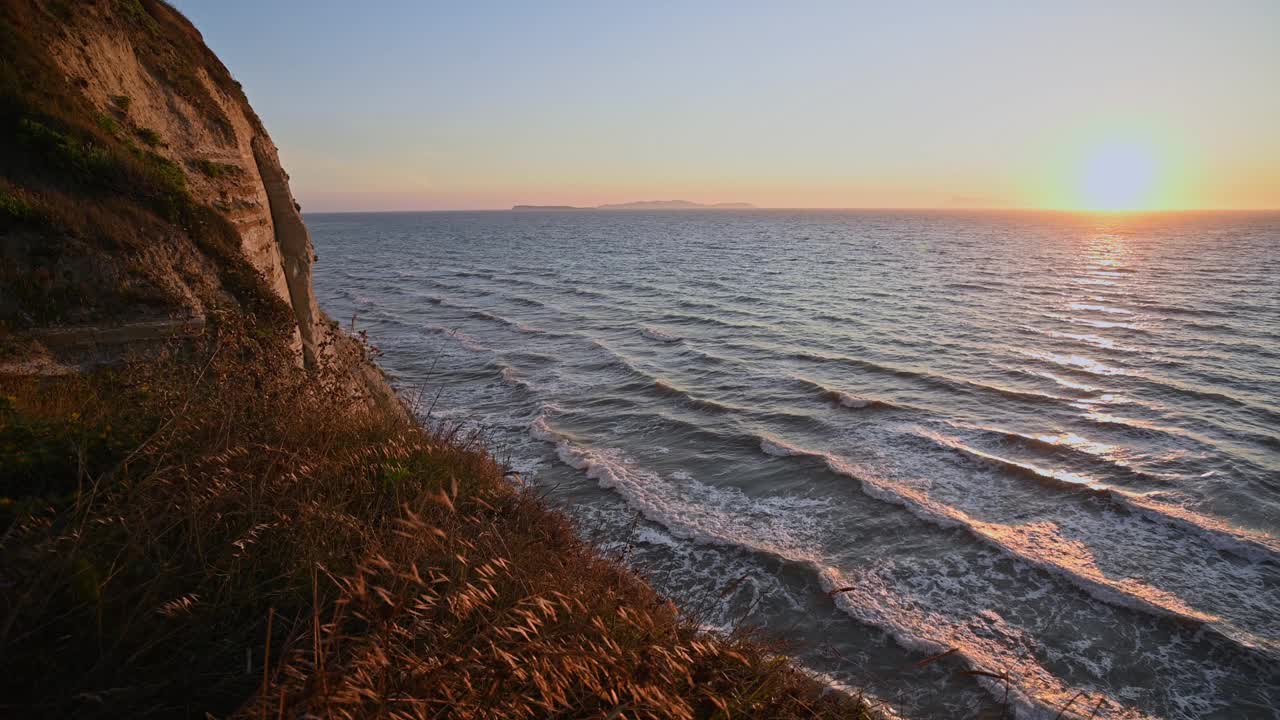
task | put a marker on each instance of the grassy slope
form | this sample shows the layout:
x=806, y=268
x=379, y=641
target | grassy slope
x=209, y=529
x=182, y=517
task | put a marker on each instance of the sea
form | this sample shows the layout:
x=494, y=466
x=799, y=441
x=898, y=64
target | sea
x=970, y=464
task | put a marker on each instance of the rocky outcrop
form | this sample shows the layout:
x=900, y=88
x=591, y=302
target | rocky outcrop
x=108, y=96
x=292, y=244
x=229, y=160
x=146, y=75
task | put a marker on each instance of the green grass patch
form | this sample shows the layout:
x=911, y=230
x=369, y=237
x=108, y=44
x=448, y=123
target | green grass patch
x=136, y=13
x=108, y=124
x=14, y=206
x=215, y=170
x=149, y=136
x=85, y=160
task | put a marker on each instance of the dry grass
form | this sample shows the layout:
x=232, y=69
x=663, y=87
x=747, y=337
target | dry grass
x=217, y=531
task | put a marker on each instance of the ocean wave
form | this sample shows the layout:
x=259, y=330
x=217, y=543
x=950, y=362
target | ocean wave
x=1050, y=477
x=1196, y=470
x=844, y=399
x=513, y=377
x=1080, y=363
x=744, y=298
x=624, y=363
x=1265, y=414
x=776, y=447
x=936, y=379
x=1106, y=309
x=706, y=357
x=689, y=398
x=784, y=528
x=1072, y=446
x=1091, y=339
x=689, y=509
x=659, y=335
x=709, y=320
x=1182, y=310
x=993, y=650
x=1040, y=544
x=1255, y=547
x=522, y=300
x=1095, y=323
x=588, y=293
x=508, y=322
x=467, y=341
x=472, y=274
x=688, y=304
x=1144, y=428
x=1058, y=380
x=436, y=282
x=973, y=286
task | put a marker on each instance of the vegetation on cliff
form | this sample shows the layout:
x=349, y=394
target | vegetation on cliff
x=98, y=224
x=206, y=527
x=215, y=530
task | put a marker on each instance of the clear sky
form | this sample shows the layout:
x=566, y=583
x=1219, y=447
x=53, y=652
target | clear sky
x=419, y=105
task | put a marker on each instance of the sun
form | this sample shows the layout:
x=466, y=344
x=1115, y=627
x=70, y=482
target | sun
x=1117, y=176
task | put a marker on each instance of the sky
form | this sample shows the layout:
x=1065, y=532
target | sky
x=410, y=105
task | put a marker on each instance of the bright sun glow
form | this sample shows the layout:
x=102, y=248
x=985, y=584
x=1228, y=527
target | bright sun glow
x=1117, y=176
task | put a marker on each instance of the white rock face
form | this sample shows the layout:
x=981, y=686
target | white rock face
x=233, y=167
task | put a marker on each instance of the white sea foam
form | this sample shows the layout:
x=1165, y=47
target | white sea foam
x=1040, y=544
x=786, y=528
x=688, y=508
x=984, y=641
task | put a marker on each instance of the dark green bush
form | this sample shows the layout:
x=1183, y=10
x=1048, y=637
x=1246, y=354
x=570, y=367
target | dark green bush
x=215, y=170
x=149, y=136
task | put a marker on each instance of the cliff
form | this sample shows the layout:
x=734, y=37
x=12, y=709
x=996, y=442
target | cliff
x=210, y=503
x=140, y=192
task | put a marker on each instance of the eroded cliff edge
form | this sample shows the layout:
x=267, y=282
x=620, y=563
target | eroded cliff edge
x=135, y=162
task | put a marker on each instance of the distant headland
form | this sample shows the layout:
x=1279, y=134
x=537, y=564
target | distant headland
x=645, y=205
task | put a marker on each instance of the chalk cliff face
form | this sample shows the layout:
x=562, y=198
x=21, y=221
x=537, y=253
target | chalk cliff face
x=132, y=80
x=229, y=160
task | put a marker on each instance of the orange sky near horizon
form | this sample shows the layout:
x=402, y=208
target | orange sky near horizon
x=1082, y=105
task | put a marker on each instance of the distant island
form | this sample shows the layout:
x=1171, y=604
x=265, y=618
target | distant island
x=645, y=205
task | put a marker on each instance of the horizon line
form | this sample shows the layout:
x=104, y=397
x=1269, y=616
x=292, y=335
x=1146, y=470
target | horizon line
x=568, y=208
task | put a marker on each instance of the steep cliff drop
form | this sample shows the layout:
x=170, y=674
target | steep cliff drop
x=122, y=102
x=292, y=242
